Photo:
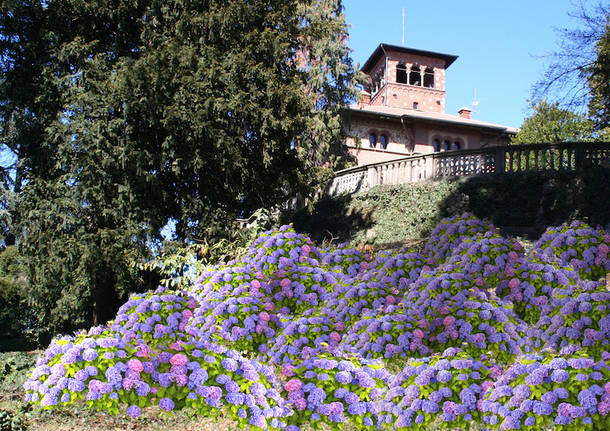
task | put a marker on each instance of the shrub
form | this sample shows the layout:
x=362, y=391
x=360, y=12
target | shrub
x=571, y=391
x=441, y=389
x=578, y=245
x=334, y=390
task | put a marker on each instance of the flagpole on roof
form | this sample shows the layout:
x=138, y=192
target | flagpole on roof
x=403, y=26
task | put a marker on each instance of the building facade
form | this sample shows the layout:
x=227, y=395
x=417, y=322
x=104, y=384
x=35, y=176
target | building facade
x=401, y=110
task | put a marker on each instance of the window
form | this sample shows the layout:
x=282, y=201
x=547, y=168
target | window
x=456, y=145
x=372, y=140
x=415, y=105
x=446, y=145
x=437, y=145
x=383, y=140
x=401, y=73
x=415, y=76
x=429, y=78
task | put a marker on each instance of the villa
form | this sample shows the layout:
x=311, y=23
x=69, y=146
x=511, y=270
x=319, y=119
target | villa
x=401, y=110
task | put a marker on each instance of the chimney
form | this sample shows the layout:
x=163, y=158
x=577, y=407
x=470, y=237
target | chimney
x=364, y=98
x=465, y=112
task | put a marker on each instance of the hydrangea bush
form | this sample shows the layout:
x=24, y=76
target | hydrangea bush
x=109, y=373
x=570, y=391
x=530, y=286
x=582, y=319
x=486, y=258
x=398, y=331
x=303, y=337
x=292, y=334
x=579, y=245
x=443, y=389
x=479, y=325
x=333, y=390
x=450, y=232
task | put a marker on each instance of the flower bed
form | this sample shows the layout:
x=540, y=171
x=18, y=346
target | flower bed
x=293, y=334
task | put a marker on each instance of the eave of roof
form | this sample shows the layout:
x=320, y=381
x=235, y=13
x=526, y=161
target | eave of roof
x=432, y=117
x=372, y=60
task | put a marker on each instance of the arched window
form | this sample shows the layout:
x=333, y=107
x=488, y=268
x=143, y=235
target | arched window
x=456, y=145
x=415, y=76
x=429, y=78
x=401, y=73
x=446, y=145
x=383, y=140
x=372, y=140
x=437, y=145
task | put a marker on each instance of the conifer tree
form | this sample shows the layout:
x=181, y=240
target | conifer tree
x=152, y=111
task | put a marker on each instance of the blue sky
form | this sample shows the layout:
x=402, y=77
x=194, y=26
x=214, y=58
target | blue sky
x=496, y=42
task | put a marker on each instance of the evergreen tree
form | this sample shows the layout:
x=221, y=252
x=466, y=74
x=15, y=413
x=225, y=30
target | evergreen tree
x=165, y=110
x=598, y=79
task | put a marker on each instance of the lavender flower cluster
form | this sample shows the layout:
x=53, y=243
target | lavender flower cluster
x=397, y=332
x=480, y=325
x=486, y=257
x=571, y=391
x=333, y=389
x=311, y=334
x=444, y=389
x=582, y=318
x=530, y=286
x=450, y=232
x=579, y=245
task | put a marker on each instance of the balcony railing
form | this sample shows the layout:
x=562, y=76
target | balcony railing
x=483, y=161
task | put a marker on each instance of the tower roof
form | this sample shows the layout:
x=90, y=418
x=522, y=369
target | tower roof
x=383, y=47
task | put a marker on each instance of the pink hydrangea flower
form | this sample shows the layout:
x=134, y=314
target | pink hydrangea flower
x=418, y=333
x=335, y=336
x=255, y=284
x=264, y=316
x=135, y=365
x=285, y=282
x=179, y=359
x=448, y=320
x=294, y=385
x=176, y=346
x=287, y=370
x=514, y=283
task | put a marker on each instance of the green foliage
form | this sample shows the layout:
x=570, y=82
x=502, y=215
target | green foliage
x=389, y=214
x=13, y=370
x=179, y=265
x=13, y=293
x=9, y=422
x=578, y=72
x=382, y=215
x=549, y=123
x=598, y=79
x=125, y=115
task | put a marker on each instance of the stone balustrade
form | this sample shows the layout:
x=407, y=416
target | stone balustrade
x=483, y=161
